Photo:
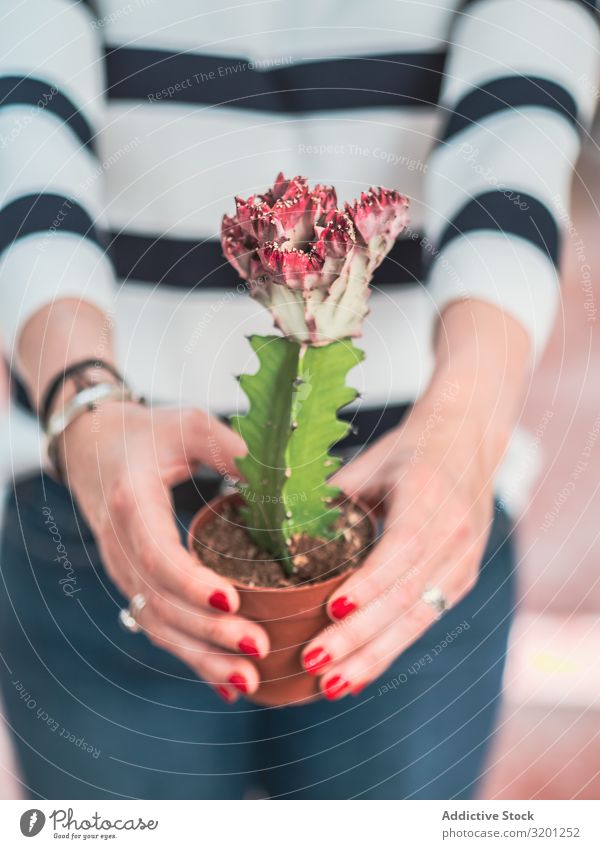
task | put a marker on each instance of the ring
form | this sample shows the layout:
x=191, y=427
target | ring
x=435, y=598
x=128, y=615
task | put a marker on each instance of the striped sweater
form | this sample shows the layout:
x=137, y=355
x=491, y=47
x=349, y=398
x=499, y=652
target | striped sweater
x=126, y=127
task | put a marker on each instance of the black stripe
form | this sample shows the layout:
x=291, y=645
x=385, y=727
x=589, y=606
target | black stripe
x=91, y=5
x=405, y=79
x=509, y=212
x=367, y=424
x=45, y=213
x=38, y=94
x=184, y=263
x=513, y=92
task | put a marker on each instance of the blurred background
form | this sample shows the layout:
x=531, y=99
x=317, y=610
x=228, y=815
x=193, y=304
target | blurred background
x=547, y=745
x=548, y=742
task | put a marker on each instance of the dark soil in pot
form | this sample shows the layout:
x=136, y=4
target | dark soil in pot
x=291, y=608
x=224, y=545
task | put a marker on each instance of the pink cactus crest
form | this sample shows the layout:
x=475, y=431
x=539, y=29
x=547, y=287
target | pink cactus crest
x=309, y=262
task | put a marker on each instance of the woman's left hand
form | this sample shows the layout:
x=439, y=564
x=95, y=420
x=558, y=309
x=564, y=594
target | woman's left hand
x=433, y=487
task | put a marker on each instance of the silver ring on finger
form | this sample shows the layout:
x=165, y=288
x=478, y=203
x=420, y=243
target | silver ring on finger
x=436, y=599
x=128, y=616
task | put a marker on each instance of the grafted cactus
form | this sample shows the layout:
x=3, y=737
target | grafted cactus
x=310, y=263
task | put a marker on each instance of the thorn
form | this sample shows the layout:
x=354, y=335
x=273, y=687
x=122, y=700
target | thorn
x=288, y=473
x=294, y=425
x=237, y=377
x=328, y=463
x=288, y=541
x=298, y=381
x=288, y=514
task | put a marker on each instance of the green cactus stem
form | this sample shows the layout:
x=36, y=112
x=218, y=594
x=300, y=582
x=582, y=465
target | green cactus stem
x=291, y=424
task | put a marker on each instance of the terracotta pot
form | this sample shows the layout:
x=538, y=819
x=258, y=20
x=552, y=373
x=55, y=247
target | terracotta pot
x=292, y=616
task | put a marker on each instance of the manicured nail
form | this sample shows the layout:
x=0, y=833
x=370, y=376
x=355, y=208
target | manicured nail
x=316, y=659
x=239, y=682
x=334, y=688
x=249, y=647
x=220, y=601
x=225, y=694
x=342, y=607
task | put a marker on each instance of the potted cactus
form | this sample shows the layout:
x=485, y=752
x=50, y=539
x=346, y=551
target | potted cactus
x=288, y=537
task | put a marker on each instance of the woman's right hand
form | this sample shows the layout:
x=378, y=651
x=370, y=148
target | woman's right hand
x=120, y=463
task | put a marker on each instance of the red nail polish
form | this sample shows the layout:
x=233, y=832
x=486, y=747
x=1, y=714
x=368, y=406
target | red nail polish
x=334, y=688
x=219, y=600
x=342, y=607
x=224, y=693
x=239, y=682
x=316, y=659
x=249, y=647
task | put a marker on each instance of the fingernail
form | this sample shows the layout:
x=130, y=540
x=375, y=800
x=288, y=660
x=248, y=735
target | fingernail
x=249, y=647
x=358, y=688
x=316, y=659
x=239, y=682
x=334, y=688
x=342, y=607
x=220, y=601
x=225, y=694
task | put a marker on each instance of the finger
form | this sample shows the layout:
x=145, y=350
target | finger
x=351, y=675
x=208, y=440
x=359, y=477
x=227, y=673
x=143, y=517
x=415, y=542
x=230, y=632
x=357, y=626
x=393, y=566
x=336, y=648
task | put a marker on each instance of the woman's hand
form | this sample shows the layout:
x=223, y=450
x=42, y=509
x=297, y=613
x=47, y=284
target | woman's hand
x=432, y=481
x=437, y=519
x=120, y=463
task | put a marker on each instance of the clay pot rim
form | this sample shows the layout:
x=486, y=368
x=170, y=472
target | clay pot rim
x=298, y=588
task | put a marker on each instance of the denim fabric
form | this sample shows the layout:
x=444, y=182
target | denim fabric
x=97, y=712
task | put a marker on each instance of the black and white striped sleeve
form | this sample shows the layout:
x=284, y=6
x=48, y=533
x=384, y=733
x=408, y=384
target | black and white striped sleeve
x=520, y=89
x=51, y=181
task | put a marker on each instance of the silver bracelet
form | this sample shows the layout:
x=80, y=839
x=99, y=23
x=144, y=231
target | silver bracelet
x=84, y=401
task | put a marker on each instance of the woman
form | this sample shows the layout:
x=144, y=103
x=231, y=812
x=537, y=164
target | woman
x=126, y=130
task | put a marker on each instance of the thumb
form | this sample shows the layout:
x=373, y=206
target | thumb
x=358, y=478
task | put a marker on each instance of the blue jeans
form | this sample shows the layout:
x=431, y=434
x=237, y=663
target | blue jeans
x=96, y=712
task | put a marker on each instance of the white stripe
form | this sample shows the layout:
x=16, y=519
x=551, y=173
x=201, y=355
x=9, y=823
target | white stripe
x=530, y=151
x=190, y=163
x=548, y=38
x=54, y=40
x=39, y=269
x=186, y=347
x=502, y=270
x=39, y=154
x=265, y=30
